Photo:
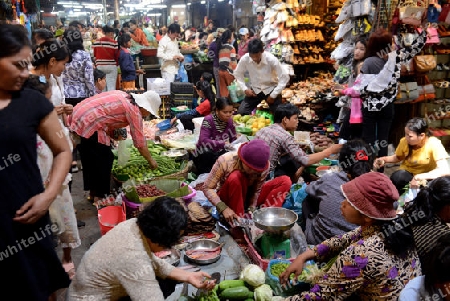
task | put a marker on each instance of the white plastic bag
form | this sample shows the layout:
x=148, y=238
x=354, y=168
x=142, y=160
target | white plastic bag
x=123, y=153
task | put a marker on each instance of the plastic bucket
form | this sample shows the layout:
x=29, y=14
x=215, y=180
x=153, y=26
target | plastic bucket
x=111, y=216
x=131, y=209
x=188, y=198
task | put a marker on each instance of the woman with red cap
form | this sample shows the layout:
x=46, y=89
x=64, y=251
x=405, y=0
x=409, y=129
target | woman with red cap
x=236, y=184
x=375, y=260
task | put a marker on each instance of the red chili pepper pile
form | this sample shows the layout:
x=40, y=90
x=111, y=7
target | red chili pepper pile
x=146, y=190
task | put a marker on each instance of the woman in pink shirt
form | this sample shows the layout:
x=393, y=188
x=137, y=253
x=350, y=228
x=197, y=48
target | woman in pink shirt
x=95, y=119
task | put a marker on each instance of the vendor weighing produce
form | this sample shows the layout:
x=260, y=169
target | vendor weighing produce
x=95, y=119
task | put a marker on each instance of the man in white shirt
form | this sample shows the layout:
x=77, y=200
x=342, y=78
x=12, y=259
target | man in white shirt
x=267, y=78
x=169, y=53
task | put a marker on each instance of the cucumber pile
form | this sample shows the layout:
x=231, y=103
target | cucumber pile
x=226, y=290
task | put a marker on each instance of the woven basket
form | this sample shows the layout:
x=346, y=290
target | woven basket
x=180, y=174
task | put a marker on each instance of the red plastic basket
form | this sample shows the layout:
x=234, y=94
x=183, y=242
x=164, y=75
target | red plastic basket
x=111, y=216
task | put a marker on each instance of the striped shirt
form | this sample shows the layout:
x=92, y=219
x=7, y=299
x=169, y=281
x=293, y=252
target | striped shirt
x=281, y=142
x=105, y=112
x=227, y=57
x=224, y=166
x=106, y=52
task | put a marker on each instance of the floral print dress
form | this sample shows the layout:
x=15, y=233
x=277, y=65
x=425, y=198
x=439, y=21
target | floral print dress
x=363, y=267
x=61, y=210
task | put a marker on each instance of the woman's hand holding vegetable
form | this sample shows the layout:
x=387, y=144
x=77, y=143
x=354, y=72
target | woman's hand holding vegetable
x=201, y=280
x=296, y=266
x=379, y=163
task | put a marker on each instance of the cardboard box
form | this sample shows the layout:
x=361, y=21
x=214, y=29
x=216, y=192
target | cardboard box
x=158, y=85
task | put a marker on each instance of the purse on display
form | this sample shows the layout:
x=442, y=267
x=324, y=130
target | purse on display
x=407, y=68
x=432, y=35
x=426, y=91
x=407, y=92
x=408, y=38
x=412, y=15
x=424, y=63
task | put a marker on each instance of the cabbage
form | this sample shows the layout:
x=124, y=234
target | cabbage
x=253, y=275
x=263, y=293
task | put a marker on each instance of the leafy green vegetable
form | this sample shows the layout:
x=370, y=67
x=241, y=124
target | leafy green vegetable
x=253, y=275
x=263, y=293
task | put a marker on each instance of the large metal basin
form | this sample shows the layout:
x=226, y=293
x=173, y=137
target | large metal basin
x=274, y=219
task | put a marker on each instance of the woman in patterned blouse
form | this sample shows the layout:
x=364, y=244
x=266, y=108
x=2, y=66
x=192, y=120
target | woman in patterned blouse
x=375, y=260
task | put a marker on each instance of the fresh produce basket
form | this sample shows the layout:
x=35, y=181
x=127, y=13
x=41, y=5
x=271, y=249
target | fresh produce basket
x=147, y=192
x=274, y=269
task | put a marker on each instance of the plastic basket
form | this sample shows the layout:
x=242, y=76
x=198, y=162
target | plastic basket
x=274, y=282
x=181, y=88
x=111, y=216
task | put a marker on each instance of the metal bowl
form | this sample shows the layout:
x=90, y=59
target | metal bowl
x=274, y=219
x=176, y=153
x=203, y=244
x=173, y=258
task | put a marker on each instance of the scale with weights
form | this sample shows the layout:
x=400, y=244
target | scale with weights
x=275, y=221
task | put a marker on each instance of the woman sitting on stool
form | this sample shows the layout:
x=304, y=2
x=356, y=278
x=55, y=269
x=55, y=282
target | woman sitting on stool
x=423, y=157
x=236, y=183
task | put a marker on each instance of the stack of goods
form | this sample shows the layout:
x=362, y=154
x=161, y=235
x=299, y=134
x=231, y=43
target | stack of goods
x=323, y=139
x=308, y=94
x=355, y=18
x=199, y=219
x=294, y=36
x=249, y=124
x=181, y=94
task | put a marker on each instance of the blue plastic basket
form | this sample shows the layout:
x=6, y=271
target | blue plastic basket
x=164, y=125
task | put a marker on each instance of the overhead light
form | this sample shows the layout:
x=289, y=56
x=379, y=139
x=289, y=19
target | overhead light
x=66, y=2
x=76, y=9
x=189, y=3
x=72, y=6
x=202, y=2
x=220, y=0
x=157, y=6
x=42, y=11
x=182, y=13
x=154, y=15
x=179, y=6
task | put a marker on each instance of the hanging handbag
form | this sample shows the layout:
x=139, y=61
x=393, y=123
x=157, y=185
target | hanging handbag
x=407, y=68
x=356, y=111
x=424, y=63
x=432, y=35
x=412, y=15
x=426, y=91
x=444, y=12
x=407, y=92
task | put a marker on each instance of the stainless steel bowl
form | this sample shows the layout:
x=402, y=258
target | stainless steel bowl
x=203, y=244
x=274, y=219
x=173, y=258
x=175, y=153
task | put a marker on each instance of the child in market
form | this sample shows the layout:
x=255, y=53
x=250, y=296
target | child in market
x=351, y=121
x=208, y=77
x=100, y=84
x=127, y=67
x=205, y=108
x=99, y=80
x=61, y=210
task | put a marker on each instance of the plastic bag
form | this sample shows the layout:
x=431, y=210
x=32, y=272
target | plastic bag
x=123, y=153
x=236, y=93
x=295, y=199
x=182, y=75
x=356, y=111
